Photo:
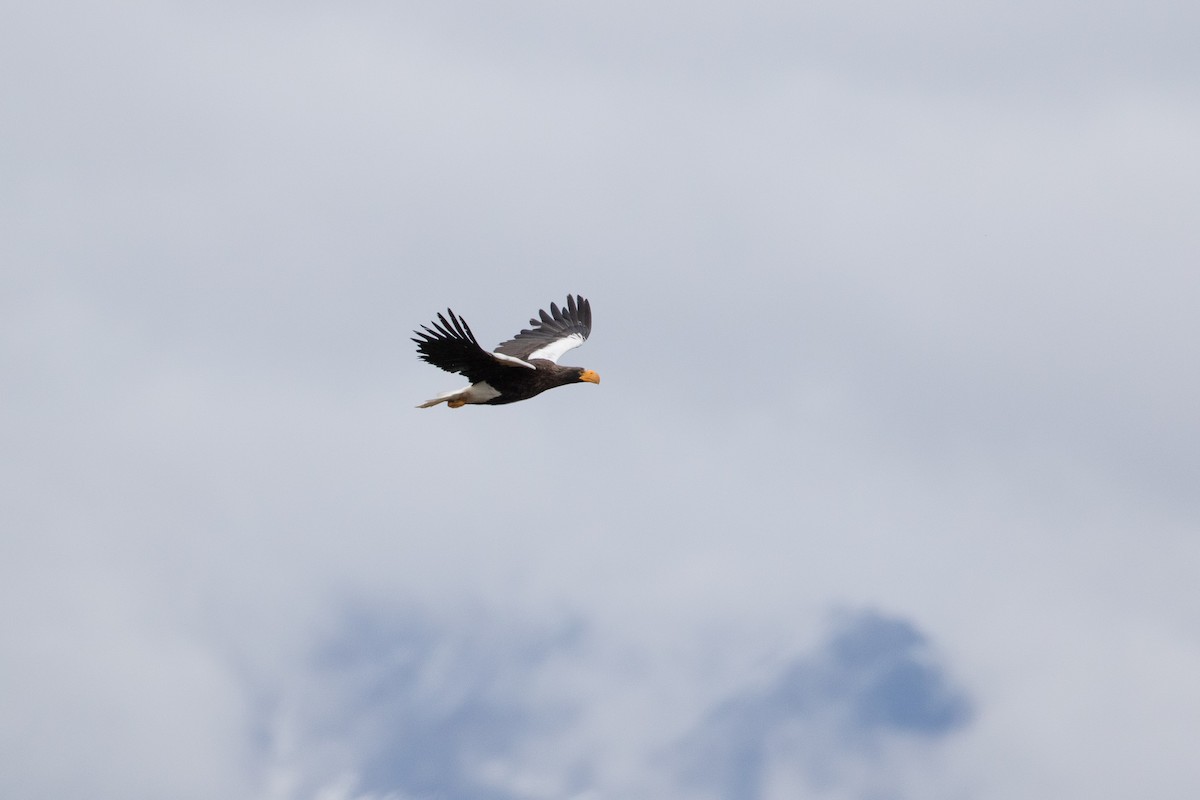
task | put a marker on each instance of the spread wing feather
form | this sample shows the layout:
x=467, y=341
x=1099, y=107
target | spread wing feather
x=451, y=345
x=554, y=334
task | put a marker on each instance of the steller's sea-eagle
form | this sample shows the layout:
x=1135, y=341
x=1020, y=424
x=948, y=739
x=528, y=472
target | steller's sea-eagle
x=518, y=369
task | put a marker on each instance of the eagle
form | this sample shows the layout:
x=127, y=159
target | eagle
x=523, y=367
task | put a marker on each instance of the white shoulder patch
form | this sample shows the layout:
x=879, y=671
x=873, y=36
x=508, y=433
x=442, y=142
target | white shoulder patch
x=512, y=360
x=556, y=348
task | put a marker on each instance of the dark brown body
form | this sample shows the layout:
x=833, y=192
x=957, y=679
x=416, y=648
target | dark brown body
x=515, y=383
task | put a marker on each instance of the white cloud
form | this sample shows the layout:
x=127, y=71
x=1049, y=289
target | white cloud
x=893, y=306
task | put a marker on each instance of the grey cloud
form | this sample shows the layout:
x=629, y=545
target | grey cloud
x=403, y=705
x=406, y=706
x=872, y=679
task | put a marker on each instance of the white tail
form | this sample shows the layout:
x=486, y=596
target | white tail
x=475, y=393
x=443, y=398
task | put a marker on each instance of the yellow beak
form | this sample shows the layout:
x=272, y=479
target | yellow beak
x=589, y=376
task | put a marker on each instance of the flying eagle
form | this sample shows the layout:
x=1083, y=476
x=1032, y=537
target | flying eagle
x=518, y=369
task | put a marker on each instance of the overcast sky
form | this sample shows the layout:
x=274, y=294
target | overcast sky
x=891, y=490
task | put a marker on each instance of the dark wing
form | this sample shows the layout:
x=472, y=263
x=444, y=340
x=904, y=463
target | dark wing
x=557, y=332
x=451, y=346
